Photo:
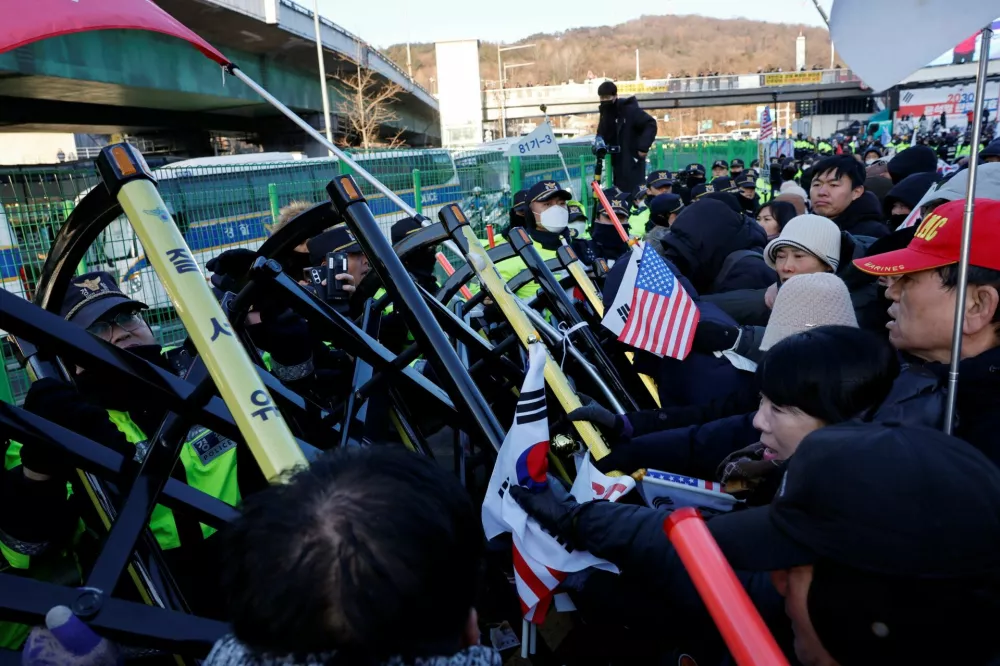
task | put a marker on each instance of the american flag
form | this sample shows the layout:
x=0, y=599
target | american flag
x=701, y=484
x=766, y=128
x=662, y=317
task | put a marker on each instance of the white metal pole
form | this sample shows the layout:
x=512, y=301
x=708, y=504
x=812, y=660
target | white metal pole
x=525, y=638
x=561, y=158
x=344, y=157
x=637, y=76
x=970, y=205
x=503, y=123
x=322, y=75
x=311, y=131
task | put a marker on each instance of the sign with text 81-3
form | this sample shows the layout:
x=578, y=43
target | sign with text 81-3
x=540, y=142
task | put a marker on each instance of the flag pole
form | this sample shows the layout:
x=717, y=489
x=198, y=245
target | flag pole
x=329, y=145
x=558, y=150
x=970, y=205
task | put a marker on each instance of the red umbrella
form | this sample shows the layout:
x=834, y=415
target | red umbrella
x=24, y=24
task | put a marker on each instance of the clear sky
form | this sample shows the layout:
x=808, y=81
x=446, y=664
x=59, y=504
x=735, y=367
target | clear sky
x=386, y=22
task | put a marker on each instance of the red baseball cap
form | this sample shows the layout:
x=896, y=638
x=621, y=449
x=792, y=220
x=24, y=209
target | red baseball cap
x=938, y=240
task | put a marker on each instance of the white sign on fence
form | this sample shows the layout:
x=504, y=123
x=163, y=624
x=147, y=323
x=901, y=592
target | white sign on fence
x=540, y=142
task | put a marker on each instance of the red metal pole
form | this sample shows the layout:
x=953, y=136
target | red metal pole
x=748, y=638
x=450, y=270
x=489, y=235
x=599, y=193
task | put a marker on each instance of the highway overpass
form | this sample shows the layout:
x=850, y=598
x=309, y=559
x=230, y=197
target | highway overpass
x=141, y=82
x=679, y=93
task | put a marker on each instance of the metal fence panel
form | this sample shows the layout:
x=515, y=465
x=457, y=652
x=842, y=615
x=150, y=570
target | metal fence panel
x=235, y=204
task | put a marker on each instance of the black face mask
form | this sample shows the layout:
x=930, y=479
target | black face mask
x=608, y=107
x=695, y=179
x=748, y=205
x=611, y=244
x=896, y=220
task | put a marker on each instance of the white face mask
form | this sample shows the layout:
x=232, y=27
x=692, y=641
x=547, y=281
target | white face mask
x=869, y=162
x=554, y=219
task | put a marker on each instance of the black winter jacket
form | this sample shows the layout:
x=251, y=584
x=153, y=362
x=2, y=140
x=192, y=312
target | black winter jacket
x=863, y=217
x=918, y=398
x=634, y=131
x=707, y=232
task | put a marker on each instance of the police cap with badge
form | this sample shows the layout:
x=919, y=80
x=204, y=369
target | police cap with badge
x=659, y=179
x=663, y=206
x=545, y=190
x=93, y=296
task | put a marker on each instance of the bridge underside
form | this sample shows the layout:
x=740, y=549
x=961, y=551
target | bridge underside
x=685, y=100
x=132, y=81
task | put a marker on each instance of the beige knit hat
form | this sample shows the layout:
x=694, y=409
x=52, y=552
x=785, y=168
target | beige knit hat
x=817, y=235
x=808, y=301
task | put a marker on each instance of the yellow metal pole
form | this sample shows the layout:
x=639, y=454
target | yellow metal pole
x=253, y=409
x=526, y=333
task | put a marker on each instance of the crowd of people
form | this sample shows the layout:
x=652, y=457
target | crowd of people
x=816, y=392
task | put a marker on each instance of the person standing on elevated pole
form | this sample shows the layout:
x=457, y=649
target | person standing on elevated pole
x=625, y=125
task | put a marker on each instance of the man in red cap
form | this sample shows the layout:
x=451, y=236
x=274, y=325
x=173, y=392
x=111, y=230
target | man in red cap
x=921, y=283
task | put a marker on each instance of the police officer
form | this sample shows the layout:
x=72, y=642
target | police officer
x=736, y=166
x=749, y=201
x=609, y=242
x=663, y=210
x=719, y=168
x=578, y=221
x=124, y=420
x=519, y=209
x=657, y=183
x=695, y=176
x=546, y=220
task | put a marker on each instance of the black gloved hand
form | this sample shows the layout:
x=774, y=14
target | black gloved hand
x=598, y=415
x=285, y=335
x=554, y=508
x=712, y=336
x=62, y=404
x=229, y=269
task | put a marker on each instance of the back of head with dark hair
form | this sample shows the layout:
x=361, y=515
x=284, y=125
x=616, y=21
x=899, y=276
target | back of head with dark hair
x=832, y=373
x=841, y=165
x=782, y=212
x=369, y=552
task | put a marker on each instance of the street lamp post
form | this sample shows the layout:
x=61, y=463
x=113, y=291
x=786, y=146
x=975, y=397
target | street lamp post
x=322, y=76
x=500, y=75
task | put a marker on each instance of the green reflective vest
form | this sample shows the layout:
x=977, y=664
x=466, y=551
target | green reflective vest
x=963, y=151
x=637, y=223
x=209, y=462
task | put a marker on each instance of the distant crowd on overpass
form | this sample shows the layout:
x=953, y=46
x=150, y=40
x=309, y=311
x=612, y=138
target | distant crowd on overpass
x=710, y=80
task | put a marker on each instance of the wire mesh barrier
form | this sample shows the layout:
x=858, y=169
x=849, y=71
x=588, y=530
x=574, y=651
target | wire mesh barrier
x=223, y=203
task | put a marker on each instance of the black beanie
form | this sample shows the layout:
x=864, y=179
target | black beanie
x=918, y=159
x=607, y=88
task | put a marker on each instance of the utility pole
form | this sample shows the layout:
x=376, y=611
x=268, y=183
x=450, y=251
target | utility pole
x=637, y=77
x=322, y=76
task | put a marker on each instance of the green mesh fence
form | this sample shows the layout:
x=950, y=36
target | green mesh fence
x=223, y=203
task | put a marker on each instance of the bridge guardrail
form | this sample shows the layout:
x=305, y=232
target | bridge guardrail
x=574, y=92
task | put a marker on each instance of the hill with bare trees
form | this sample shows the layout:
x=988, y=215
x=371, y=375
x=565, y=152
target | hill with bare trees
x=674, y=45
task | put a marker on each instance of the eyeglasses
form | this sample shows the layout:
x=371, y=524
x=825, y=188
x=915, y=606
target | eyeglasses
x=129, y=321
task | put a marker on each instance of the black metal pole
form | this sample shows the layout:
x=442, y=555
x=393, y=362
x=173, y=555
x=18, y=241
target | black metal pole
x=565, y=311
x=347, y=198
